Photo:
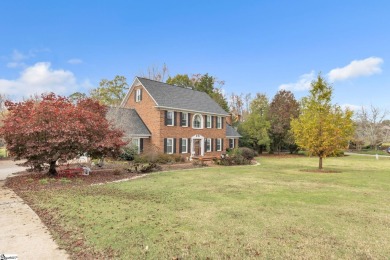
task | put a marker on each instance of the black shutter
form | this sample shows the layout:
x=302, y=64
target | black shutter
x=189, y=145
x=222, y=119
x=180, y=143
x=141, y=145
x=166, y=117
x=205, y=122
x=222, y=145
x=165, y=145
x=175, y=118
x=212, y=121
x=205, y=144
x=140, y=94
x=181, y=114
x=189, y=120
x=216, y=147
x=211, y=144
x=174, y=145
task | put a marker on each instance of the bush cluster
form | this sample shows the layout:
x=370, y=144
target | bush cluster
x=160, y=158
x=237, y=156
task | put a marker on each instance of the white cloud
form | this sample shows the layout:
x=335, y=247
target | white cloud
x=39, y=78
x=351, y=107
x=17, y=59
x=75, y=61
x=302, y=84
x=357, y=68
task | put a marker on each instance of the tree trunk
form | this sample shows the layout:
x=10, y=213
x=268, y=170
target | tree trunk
x=320, y=163
x=52, y=169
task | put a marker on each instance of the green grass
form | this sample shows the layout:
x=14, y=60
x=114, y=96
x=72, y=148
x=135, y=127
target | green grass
x=269, y=211
x=371, y=152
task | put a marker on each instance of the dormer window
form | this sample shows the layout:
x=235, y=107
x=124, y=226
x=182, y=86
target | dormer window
x=197, y=121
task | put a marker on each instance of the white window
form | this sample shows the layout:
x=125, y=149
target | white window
x=231, y=143
x=138, y=95
x=208, y=121
x=184, y=145
x=197, y=121
x=219, y=144
x=169, y=145
x=135, y=143
x=170, y=118
x=184, y=119
x=219, y=122
x=208, y=145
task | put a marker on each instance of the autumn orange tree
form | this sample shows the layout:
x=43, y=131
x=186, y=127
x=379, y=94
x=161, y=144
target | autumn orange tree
x=52, y=128
x=322, y=128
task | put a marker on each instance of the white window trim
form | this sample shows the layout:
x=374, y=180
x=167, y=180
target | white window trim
x=219, y=141
x=186, y=141
x=186, y=116
x=219, y=122
x=170, y=139
x=208, y=145
x=233, y=143
x=208, y=120
x=138, y=146
x=173, y=118
x=138, y=95
x=201, y=121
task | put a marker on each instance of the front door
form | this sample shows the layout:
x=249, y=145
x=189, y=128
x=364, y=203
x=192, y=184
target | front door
x=197, y=148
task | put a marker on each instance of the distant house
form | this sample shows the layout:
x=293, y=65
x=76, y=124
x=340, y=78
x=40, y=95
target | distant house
x=159, y=117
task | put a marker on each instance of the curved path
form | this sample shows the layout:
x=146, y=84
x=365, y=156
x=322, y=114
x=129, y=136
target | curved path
x=22, y=231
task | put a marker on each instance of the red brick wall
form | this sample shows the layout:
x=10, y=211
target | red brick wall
x=154, y=119
x=149, y=114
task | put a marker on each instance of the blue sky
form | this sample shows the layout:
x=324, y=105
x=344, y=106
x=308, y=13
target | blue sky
x=254, y=46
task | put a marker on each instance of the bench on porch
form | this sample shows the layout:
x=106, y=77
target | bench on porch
x=204, y=158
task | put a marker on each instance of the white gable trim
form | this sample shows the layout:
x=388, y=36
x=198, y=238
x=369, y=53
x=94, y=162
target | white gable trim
x=136, y=83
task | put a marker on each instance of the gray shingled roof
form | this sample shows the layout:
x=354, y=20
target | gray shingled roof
x=127, y=120
x=231, y=132
x=181, y=98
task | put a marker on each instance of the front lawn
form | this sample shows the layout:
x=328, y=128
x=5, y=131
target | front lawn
x=274, y=210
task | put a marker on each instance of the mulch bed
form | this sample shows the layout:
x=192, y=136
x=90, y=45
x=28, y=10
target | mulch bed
x=30, y=181
x=33, y=181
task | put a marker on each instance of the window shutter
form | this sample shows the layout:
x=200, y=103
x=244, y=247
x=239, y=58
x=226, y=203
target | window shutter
x=181, y=114
x=222, y=119
x=141, y=145
x=174, y=145
x=166, y=117
x=180, y=143
x=215, y=141
x=205, y=122
x=212, y=121
x=189, y=145
x=222, y=149
x=211, y=144
x=165, y=145
x=175, y=118
x=189, y=120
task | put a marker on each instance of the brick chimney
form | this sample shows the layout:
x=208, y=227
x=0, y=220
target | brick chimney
x=229, y=119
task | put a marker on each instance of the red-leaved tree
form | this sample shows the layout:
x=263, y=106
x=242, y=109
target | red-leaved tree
x=52, y=128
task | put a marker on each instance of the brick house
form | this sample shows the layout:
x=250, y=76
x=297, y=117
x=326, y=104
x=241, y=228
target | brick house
x=159, y=117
